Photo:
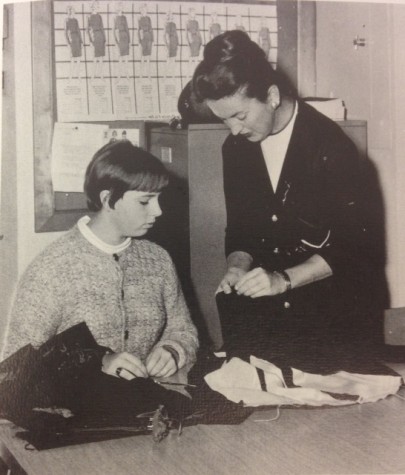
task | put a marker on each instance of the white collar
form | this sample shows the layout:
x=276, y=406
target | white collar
x=82, y=224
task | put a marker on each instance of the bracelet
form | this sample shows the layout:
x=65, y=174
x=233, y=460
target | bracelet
x=286, y=279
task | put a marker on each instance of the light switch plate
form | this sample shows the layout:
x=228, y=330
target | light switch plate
x=166, y=154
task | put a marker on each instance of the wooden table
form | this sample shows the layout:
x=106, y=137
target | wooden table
x=358, y=439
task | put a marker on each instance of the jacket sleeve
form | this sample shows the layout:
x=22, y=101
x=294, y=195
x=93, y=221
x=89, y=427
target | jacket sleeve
x=180, y=332
x=323, y=212
x=341, y=208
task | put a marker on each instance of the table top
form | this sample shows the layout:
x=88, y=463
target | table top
x=356, y=439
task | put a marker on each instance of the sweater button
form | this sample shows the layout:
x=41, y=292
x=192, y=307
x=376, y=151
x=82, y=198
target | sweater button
x=287, y=305
x=274, y=218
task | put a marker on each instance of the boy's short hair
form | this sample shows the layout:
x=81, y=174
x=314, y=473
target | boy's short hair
x=119, y=167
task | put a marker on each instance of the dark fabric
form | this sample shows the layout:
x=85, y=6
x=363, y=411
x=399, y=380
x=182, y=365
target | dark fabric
x=319, y=199
x=47, y=376
x=256, y=327
x=59, y=391
x=52, y=439
x=60, y=396
x=208, y=406
x=105, y=408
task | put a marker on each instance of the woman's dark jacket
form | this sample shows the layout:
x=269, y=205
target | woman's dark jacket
x=317, y=209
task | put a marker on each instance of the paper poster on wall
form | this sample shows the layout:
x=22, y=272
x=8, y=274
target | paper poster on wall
x=73, y=146
x=129, y=60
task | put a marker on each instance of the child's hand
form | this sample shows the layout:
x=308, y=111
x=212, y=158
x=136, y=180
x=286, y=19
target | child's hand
x=161, y=363
x=124, y=365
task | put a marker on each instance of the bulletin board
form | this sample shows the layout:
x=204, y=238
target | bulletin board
x=131, y=59
x=57, y=209
x=77, y=79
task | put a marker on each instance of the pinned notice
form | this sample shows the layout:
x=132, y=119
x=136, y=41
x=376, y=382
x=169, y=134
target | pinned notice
x=73, y=146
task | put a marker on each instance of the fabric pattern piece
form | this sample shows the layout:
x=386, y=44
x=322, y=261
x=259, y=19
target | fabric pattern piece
x=238, y=381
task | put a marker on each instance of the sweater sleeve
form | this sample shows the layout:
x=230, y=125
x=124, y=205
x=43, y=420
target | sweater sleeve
x=34, y=317
x=180, y=332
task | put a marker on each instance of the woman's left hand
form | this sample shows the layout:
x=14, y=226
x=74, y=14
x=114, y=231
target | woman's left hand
x=160, y=363
x=260, y=283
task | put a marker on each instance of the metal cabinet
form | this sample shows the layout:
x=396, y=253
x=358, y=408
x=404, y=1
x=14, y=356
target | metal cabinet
x=194, y=155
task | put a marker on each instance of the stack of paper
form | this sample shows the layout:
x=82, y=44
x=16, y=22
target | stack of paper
x=332, y=108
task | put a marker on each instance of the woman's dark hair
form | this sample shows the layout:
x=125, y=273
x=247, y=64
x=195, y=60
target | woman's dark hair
x=232, y=61
x=120, y=167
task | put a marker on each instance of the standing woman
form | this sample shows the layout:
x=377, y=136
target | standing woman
x=74, y=41
x=122, y=40
x=145, y=36
x=215, y=27
x=239, y=23
x=171, y=42
x=105, y=273
x=264, y=37
x=194, y=39
x=297, y=248
x=95, y=30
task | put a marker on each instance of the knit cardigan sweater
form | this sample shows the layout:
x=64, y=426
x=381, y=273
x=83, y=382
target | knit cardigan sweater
x=131, y=301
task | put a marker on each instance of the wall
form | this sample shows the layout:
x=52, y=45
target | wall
x=370, y=79
x=397, y=106
x=20, y=244
x=8, y=223
x=29, y=242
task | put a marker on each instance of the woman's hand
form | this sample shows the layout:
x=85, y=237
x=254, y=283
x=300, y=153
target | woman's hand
x=233, y=275
x=260, y=283
x=124, y=365
x=161, y=363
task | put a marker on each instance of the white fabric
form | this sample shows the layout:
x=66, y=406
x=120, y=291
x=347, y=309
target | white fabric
x=274, y=148
x=370, y=388
x=238, y=381
x=82, y=224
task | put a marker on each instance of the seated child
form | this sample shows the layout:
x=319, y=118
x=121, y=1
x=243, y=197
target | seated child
x=105, y=273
